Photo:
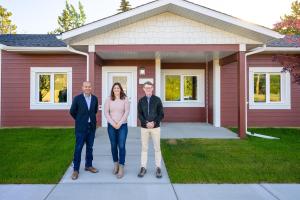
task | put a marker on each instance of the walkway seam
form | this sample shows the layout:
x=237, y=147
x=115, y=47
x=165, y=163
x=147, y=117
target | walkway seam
x=51, y=191
x=271, y=193
x=174, y=191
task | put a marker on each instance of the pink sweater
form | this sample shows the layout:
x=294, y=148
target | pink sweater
x=117, y=110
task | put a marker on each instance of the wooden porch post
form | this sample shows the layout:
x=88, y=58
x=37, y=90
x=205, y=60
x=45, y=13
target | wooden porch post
x=242, y=96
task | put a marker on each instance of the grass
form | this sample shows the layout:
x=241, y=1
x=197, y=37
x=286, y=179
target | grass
x=32, y=155
x=253, y=160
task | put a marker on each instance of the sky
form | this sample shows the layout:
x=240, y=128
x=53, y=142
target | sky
x=40, y=16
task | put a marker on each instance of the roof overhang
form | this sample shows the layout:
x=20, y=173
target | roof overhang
x=280, y=49
x=34, y=49
x=180, y=7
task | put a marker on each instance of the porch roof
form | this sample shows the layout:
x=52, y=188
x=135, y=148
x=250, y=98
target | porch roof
x=182, y=8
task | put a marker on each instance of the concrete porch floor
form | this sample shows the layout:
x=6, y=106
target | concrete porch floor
x=183, y=130
x=195, y=130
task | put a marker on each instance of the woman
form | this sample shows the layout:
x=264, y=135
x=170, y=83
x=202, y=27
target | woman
x=116, y=112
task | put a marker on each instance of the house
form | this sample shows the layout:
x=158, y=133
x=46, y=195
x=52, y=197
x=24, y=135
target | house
x=206, y=66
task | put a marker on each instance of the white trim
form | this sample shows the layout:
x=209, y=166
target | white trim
x=162, y=3
x=105, y=71
x=35, y=49
x=34, y=105
x=285, y=89
x=216, y=93
x=276, y=49
x=157, y=76
x=92, y=48
x=200, y=73
x=242, y=47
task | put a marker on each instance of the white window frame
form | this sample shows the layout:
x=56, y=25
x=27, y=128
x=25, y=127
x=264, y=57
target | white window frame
x=199, y=73
x=285, y=88
x=34, y=90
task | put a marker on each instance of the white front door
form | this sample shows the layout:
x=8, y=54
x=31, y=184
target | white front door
x=127, y=76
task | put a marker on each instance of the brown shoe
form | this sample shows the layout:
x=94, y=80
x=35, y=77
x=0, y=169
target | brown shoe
x=75, y=175
x=91, y=169
x=120, y=172
x=116, y=168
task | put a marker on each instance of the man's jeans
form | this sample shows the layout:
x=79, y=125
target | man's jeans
x=118, y=140
x=81, y=138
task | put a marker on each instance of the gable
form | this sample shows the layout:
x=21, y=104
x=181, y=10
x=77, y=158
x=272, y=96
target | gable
x=166, y=28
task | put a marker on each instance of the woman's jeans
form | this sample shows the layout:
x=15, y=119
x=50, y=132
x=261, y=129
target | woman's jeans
x=117, y=140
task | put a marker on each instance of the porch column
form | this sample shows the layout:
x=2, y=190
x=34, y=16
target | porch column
x=216, y=93
x=91, y=69
x=242, y=96
x=157, y=75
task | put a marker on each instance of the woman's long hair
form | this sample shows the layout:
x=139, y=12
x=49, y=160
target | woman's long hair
x=122, y=93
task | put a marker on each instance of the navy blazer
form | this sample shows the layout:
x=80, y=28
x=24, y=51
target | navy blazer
x=80, y=112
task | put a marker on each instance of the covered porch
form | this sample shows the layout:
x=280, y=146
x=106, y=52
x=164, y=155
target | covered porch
x=151, y=62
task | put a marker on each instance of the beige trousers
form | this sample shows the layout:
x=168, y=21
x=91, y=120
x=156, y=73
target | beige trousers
x=155, y=134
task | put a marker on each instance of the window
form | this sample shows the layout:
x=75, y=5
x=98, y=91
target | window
x=51, y=88
x=183, y=88
x=172, y=88
x=269, y=88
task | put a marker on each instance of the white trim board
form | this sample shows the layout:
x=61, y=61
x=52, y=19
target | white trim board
x=285, y=85
x=200, y=73
x=216, y=93
x=33, y=86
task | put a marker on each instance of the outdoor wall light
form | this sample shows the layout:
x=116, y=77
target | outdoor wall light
x=142, y=71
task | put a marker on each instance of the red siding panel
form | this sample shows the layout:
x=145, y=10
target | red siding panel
x=256, y=118
x=185, y=114
x=277, y=118
x=16, y=88
x=210, y=92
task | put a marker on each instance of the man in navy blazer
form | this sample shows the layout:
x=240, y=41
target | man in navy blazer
x=84, y=109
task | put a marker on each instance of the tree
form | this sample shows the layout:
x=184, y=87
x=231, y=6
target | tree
x=290, y=64
x=290, y=24
x=124, y=6
x=6, y=26
x=70, y=18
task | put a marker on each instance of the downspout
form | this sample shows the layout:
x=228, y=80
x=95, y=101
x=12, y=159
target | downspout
x=255, y=51
x=87, y=60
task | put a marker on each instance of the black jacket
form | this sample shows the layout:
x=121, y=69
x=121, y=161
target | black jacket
x=79, y=111
x=156, y=112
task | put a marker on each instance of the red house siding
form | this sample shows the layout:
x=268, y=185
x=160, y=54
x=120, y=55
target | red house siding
x=16, y=88
x=256, y=118
x=210, y=93
x=282, y=118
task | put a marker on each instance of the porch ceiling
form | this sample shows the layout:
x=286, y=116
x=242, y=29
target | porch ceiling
x=170, y=57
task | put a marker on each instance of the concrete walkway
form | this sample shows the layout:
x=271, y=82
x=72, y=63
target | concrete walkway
x=105, y=185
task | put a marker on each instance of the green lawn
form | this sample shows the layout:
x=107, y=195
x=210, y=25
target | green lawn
x=252, y=160
x=32, y=155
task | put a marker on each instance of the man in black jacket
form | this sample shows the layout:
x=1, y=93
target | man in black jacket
x=84, y=109
x=150, y=113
